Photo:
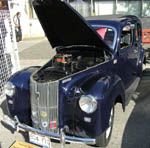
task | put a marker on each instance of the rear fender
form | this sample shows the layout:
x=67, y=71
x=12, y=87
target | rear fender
x=142, y=60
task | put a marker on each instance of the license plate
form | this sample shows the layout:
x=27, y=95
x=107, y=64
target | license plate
x=39, y=140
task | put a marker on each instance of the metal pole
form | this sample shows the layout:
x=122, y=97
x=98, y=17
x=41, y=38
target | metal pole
x=141, y=8
x=116, y=6
x=91, y=7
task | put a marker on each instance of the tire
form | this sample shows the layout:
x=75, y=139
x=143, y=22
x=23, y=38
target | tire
x=104, y=138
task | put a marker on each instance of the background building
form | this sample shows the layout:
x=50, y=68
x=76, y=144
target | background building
x=29, y=22
x=140, y=8
x=32, y=28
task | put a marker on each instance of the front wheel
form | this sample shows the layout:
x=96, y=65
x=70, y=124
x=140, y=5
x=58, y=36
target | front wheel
x=104, y=138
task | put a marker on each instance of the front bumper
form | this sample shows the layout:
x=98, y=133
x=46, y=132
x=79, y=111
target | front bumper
x=15, y=124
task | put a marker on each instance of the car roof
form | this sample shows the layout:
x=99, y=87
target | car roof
x=118, y=18
x=116, y=21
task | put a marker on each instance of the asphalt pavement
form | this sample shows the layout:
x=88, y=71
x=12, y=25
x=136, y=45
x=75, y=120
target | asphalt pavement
x=131, y=128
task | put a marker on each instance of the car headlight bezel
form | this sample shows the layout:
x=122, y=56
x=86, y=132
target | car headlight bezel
x=9, y=89
x=88, y=104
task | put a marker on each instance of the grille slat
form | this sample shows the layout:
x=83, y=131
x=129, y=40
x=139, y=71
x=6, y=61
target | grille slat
x=44, y=98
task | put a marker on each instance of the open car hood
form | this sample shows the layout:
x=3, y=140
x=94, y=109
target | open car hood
x=64, y=26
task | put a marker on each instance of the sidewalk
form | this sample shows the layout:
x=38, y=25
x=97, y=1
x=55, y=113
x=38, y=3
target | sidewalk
x=34, y=52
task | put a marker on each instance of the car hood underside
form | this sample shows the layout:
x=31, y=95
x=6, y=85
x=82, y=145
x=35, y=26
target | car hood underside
x=64, y=26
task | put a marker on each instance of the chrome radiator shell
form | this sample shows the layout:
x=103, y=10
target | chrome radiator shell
x=44, y=105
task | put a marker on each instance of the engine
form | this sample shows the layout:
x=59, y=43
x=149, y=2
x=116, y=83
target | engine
x=63, y=65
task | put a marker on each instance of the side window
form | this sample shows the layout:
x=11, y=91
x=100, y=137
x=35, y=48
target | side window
x=126, y=37
x=138, y=32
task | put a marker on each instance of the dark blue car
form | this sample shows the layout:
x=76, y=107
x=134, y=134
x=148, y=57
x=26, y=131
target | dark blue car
x=98, y=63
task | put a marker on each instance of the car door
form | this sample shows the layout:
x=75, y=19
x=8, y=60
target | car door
x=137, y=44
x=127, y=56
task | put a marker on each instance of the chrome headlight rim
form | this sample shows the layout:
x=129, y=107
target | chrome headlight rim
x=89, y=102
x=9, y=89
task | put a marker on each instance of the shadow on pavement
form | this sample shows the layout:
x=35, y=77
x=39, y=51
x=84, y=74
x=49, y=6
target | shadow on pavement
x=137, y=130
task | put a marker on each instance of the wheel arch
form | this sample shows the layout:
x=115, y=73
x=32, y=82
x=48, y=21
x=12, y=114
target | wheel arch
x=119, y=99
x=111, y=95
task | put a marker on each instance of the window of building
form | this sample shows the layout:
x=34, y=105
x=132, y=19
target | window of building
x=129, y=7
x=3, y=5
x=100, y=7
x=140, y=8
x=146, y=8
x=83, y=7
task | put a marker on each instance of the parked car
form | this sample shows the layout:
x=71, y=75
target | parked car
x=98, y=63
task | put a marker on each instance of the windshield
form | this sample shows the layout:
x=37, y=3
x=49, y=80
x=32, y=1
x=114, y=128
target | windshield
x=108, y=34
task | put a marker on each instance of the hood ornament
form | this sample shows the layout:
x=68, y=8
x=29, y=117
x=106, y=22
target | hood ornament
x=37, y=95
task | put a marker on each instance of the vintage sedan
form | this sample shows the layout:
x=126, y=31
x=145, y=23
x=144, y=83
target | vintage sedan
x=98, y=63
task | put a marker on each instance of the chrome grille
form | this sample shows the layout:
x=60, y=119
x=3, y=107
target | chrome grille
x=44, y=105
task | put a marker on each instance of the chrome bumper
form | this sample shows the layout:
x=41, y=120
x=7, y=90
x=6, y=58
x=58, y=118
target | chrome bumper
x=15, y=124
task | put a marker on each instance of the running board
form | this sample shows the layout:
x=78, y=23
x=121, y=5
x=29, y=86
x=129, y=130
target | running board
x=130, y=90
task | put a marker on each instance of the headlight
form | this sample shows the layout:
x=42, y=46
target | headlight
x=88, y=103
x=9, y=89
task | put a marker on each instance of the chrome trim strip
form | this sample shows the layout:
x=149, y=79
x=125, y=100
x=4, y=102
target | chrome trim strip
x=22, y=127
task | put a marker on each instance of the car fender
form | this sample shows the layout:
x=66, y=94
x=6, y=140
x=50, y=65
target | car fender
x=108, y=86
x=107, y=90
x=21, y=98
x=22, y=77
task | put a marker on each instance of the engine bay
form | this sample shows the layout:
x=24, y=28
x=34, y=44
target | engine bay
x=66, y=63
